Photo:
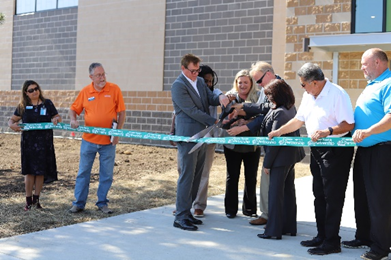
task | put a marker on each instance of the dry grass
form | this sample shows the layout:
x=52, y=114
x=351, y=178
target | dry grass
x=144, y=177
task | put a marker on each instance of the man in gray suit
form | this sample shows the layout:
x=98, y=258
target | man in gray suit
x=191, y=99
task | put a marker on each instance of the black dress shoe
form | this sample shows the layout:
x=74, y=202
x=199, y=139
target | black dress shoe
x=185, y=224
x=356, y=243
x=371, y=255
x=324, y=250
x=316, y=241
x=264, y=236
x=249, y=214
x=291, y=234
x=229, y=215
x=194, y=221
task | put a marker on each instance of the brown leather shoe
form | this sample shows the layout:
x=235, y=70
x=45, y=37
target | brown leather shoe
x=258, y=221
x=198, y=213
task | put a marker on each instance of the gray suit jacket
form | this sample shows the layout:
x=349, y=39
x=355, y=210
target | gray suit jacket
x=191, y=110
x=277, y=156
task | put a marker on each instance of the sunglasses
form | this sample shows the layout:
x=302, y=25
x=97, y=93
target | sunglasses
x=305, y=84
x=259, y=81
x=31, y=90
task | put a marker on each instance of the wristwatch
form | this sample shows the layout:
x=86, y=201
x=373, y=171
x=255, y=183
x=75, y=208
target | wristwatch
x=331, y=130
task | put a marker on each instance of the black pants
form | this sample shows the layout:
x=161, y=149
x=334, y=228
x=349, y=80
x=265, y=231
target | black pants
x=234, y=161
x=330, y=168
x=282, y=201
x=372, y=196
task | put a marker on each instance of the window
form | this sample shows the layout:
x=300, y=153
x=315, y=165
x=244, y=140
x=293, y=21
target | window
x=370, y=16
x=31, y=6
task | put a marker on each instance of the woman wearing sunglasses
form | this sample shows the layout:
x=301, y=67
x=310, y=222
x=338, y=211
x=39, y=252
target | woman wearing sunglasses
x=37, y=149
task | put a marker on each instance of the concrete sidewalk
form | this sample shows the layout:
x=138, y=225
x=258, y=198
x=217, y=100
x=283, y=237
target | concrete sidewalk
x=149, y=234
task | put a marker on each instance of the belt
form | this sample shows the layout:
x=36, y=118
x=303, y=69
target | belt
x=384, y=143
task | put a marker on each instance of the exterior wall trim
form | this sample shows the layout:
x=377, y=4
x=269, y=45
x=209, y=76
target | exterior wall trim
x=351, y=42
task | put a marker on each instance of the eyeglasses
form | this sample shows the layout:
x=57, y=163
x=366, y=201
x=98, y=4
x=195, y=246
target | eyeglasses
x=100, y=75
x=31, y=90
x=259, y=81
x=194, y=71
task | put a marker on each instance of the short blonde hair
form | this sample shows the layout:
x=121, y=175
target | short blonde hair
x=261, y=66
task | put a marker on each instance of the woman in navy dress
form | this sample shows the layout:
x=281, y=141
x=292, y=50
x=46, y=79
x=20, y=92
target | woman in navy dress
x=37, y=149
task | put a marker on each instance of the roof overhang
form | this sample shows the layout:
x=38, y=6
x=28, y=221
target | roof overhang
x=351, y=42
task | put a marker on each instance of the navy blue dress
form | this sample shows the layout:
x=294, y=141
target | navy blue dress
x=36, y=146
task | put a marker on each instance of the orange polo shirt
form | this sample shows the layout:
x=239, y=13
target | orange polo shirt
x=100, y=108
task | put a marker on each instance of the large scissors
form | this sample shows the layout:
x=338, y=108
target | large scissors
x=213, y=130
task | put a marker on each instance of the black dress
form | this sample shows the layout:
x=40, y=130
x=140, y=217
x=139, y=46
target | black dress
x=37, y=149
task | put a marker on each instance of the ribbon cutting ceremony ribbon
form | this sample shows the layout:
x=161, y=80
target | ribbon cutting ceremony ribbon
x=276, y=141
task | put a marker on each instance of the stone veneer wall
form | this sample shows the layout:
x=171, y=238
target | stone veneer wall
x=349, y=70
x=147, y=111
x=307, y=18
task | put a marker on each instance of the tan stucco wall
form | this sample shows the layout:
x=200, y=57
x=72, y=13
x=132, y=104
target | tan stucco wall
x=127, y=37
x=7, y=8
x=278, y=43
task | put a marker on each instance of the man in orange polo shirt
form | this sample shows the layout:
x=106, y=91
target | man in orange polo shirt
x=102, y=103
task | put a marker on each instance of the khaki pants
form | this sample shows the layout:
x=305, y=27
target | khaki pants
x=202, y=194
x=264, y=194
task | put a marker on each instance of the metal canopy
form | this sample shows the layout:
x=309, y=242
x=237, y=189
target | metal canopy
x=351, y=42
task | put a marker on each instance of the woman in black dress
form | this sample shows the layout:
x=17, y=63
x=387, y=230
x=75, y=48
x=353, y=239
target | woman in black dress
x=37, y=149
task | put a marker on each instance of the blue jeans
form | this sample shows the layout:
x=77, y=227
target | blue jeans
x=106, y=165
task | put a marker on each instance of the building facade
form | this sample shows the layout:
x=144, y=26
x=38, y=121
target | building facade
x=140, y=43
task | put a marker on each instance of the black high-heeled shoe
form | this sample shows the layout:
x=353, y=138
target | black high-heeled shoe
x=264, y=236
x=229, y=215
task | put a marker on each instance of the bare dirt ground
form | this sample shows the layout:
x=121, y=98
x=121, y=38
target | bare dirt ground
x=144, y=177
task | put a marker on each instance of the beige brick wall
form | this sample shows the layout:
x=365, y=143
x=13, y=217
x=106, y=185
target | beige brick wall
x=127, y=37
x=7, y=8
x=134, y=100
x=147, y=111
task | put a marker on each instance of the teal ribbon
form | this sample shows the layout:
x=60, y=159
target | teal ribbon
x=276, y=141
